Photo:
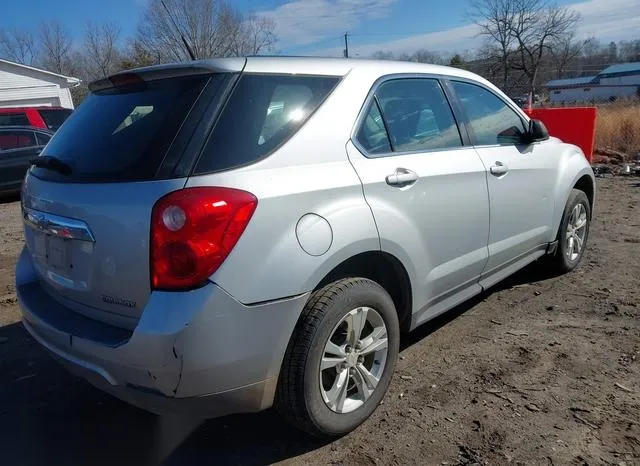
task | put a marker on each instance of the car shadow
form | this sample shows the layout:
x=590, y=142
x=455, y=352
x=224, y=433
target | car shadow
x=535, y=272
x=7, y=198
x=48, y=416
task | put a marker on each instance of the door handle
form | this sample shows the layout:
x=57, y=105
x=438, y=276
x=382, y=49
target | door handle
x=402, y=177
x=499, y=169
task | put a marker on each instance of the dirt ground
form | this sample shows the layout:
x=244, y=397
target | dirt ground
x=539, y=370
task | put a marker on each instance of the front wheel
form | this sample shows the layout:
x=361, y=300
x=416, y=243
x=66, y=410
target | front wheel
x=573, y=232
x=340, y=359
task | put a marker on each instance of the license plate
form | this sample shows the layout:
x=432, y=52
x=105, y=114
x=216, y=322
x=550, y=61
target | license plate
x=57, y=255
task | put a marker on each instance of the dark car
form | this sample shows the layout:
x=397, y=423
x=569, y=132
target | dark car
x=18, y=145
x=39, y=117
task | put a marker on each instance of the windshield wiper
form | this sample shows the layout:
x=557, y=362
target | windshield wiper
x=51, y=163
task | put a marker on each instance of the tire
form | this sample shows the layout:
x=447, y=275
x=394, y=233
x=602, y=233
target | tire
x=305, y=393
x=562, y=261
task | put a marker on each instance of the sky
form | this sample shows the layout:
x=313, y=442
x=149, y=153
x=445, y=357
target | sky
x=316, y=27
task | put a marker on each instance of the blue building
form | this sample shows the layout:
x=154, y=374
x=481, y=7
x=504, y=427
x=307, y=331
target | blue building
x=613, y=83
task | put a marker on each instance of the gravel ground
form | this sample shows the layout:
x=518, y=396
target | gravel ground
x=541, y=370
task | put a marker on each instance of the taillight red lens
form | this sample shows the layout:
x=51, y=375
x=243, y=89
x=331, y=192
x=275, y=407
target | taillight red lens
x=193, y=231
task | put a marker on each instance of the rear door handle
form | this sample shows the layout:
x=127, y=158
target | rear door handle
x=402, y=177
x=499, y=169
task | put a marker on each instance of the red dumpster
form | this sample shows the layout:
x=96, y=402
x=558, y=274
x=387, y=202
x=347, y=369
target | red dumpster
x=575, y=125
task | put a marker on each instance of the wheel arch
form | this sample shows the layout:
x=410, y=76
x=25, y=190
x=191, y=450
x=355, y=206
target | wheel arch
x=574, y=172
x=586, y=185
x=386, y=270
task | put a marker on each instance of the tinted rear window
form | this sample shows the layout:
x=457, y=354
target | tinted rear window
x=16, y=139
x=55, y=117
x=263, y=112
x=123, y=133
x=11, y=119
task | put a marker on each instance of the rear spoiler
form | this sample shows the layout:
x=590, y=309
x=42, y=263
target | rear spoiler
x=171, y=70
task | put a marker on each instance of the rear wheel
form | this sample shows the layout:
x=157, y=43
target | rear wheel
x=573, y=232
x=340, y=359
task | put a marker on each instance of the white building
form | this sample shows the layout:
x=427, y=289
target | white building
x=26, y=86
x=612, y=83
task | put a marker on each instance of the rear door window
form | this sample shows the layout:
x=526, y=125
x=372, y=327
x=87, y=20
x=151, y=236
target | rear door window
x=123, y=133
x=263, y=112
x=16, y=139
x=372, y=135
x=54, y=117
x=417, y=115
x=14, y=119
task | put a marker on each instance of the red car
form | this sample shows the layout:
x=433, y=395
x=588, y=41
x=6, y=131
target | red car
x=41, y=117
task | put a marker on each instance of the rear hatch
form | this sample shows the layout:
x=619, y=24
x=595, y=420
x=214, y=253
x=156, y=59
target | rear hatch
x=87, y=202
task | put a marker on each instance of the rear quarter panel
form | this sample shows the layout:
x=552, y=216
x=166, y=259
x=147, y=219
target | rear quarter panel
x=310, y=173
x=268, y=261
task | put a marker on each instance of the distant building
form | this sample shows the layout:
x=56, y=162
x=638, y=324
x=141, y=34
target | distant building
x=612, y=83
x=26, y=86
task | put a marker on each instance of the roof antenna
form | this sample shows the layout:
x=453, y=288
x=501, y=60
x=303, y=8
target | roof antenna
x=184, y=41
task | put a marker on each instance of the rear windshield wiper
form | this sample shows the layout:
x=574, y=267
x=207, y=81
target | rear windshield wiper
x=51, y=163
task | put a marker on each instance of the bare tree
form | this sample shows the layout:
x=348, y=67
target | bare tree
x=538, y=25
x=629, y=50
x=101, y=49
x=383, y=55
x=593, y=57
x=56, y=48
x=522, y=32
x=211, y=28
x=134, y=55
x=255, y=35
x=496, y=19
x=488, y=63
x=427, y=56
x=18, y=46
x=564, y=51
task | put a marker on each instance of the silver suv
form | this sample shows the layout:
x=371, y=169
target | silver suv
x=222, y=236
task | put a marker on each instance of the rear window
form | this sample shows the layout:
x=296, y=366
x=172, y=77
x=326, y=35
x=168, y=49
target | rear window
x=54, y=118
x=13, y=119
x=122, y=133
x=16, y=139
x=263, y=112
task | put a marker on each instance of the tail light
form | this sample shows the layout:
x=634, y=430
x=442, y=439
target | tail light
x=193, y=231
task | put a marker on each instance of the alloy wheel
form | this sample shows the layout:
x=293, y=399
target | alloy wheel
x=354, y=359
x=576, y=232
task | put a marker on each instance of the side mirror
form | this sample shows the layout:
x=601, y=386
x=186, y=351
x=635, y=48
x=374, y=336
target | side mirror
x=537, y=131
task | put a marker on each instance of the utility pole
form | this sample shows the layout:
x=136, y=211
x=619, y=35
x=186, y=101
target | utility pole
x=346, y=45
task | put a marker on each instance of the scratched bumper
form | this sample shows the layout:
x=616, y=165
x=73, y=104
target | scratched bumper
x=199, y=350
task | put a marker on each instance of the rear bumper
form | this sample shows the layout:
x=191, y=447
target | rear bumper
x=199, y=351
